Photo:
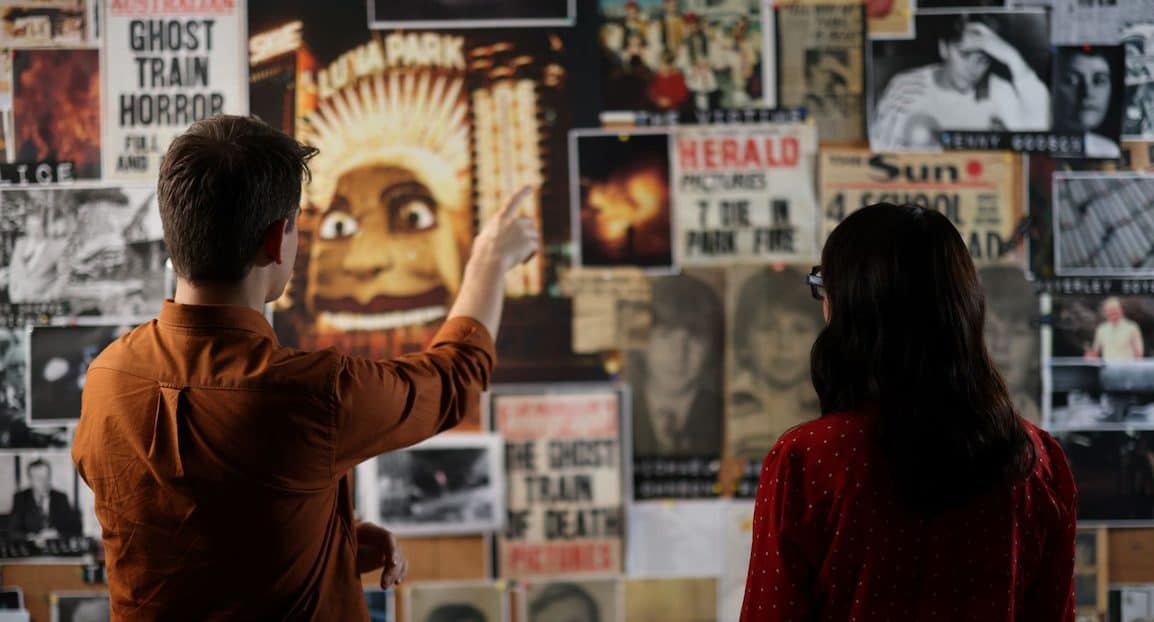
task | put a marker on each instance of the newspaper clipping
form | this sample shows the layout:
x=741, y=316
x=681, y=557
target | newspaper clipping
x=454, y=602
x=1102, y=224
x=977, y=191
x=164, y=70
x=822, y=66
x=564, y=465
x=573, y=600
x=745, y=194
x=82, y=251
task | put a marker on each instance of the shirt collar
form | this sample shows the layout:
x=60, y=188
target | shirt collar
x=216, y=316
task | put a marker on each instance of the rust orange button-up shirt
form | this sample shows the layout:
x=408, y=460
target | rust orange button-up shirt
x=220, y=460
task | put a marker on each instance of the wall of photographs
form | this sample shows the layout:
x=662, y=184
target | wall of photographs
x=690, y=158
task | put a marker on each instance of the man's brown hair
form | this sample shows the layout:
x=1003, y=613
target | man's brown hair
x=222, y=184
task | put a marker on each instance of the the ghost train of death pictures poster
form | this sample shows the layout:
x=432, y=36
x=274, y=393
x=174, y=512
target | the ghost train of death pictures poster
x=440, y=128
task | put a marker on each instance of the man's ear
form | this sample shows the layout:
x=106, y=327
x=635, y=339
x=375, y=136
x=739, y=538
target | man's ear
x=273, y=242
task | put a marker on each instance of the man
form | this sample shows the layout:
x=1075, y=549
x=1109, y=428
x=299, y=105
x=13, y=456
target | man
x=456, y=612
x=669, y=28
x=1083, y=96
x=1012, y=336
x=40, y=513
x=774, y=326
x=960, y=92
x=219, y=459
x=564, y=602
x=677, y=378
x=1118, y=338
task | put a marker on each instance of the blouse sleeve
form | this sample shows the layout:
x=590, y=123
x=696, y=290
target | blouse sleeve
x=781, y=581
x=1051, y=593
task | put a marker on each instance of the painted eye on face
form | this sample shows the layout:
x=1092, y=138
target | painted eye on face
x=411, y=208
x=338, y=224
x=414, y=215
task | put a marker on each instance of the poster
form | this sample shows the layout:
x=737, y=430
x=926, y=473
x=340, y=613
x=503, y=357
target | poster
x=385, y=14
x=564, y=461
x=910, y=109
x=1138, y=155
x=745, y=194
x=80, y=606
x=823, y=66
x=677, y=380
x=456, y=602
x=56, y=111
x=1113, y=471
x=685, y=59
x=1131, y=602
x=772, y=323
x=1101, y=362
x=1013, y=337
x=447, y=126
x=450, y=484
x=890, y=19
x=738, y=542
x=574, y=600
x=1138, y=40
x=58, y=360
x=1091, y=546
x=1101, y=224
x=977, y=191
x=602, y=301
x=382, y=605
x=1088, y=91
x=80, y=250
x=675, y=538
x=166, y=66
x=45, y=23
x=1040, y=171
x=621, y=196
x=67, y=532
x=671, y=600
x=15, y=433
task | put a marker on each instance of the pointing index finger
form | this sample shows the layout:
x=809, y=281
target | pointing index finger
x=515, y=202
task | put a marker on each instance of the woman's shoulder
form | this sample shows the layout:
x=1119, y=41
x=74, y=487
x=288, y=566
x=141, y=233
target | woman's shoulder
x=831, y=431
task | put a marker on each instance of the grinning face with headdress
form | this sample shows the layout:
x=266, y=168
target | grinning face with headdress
x=392, y=185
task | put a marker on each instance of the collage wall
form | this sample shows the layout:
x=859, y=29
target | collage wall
x=689, y=159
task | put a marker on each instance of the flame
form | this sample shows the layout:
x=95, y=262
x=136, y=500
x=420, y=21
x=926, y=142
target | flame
x=56, y=105
x=637, y=200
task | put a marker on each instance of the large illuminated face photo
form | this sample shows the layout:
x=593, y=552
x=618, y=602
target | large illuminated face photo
x=392, y=185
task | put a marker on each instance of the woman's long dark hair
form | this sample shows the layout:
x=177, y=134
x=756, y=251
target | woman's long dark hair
x=905, y=336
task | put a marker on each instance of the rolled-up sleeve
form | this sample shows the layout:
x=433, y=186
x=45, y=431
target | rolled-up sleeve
x=385, y=405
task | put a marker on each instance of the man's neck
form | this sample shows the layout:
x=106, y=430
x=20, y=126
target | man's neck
x=242, y=294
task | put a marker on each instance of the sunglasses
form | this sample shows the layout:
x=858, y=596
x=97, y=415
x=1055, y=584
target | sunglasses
x=816, y=284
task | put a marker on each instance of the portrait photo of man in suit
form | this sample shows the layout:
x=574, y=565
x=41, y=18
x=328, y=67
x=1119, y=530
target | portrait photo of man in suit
x=40, y=512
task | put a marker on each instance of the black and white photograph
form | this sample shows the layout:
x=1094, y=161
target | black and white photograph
x=1013, y=336
x=451, y=484
x=11, y=597
x=46, y=510
x=1101, y=373
x=1088, y=85
x=98, y=250
x=1138, y=40
x=456, y=602
x=985, y=70
x=684, y=57
x=1131, y=603
x=573, y=600
x=1114, y=473
x=773, y=321
x=15, y=433
x=621, y=198
x=58, y=362
x=1104, y=224
x=382, y=605
x=447, y=14
x=678, y=377
x=1090, y=568
x=80, y=607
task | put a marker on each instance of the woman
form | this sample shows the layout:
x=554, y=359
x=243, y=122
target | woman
x=919, y=494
